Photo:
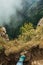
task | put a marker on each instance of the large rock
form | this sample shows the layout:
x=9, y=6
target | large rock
x=3, y=33
x=40, y=22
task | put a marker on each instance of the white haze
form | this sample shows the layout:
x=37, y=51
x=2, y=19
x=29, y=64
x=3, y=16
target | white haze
x=8, y=8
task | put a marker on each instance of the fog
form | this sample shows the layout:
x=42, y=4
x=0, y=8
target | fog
x=8, y=8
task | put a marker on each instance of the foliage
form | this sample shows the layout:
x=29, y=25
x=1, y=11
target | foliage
x=26, y=27
x=27, y=32
x=1, y=48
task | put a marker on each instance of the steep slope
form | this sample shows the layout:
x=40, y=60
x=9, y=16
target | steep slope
x=10, y=50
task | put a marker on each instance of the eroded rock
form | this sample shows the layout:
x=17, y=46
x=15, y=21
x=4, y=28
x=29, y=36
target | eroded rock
x=3, y=33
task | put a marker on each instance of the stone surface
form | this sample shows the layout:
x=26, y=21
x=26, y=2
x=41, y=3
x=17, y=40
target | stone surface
x=40, y=22
x=3, y=33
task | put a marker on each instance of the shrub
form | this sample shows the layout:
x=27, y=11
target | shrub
x=27, y=32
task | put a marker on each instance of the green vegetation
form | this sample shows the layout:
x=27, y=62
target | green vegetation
x=1, y=48
x=27, y=32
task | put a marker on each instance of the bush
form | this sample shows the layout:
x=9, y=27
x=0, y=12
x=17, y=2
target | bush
x=27, y=32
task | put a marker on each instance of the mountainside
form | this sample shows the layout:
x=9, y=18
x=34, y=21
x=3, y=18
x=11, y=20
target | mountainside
x=10, y=49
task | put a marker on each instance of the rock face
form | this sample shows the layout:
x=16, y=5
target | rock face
x=40, y=22
x=3, y=33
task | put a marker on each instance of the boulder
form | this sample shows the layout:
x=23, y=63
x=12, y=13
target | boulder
x=3, y=33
